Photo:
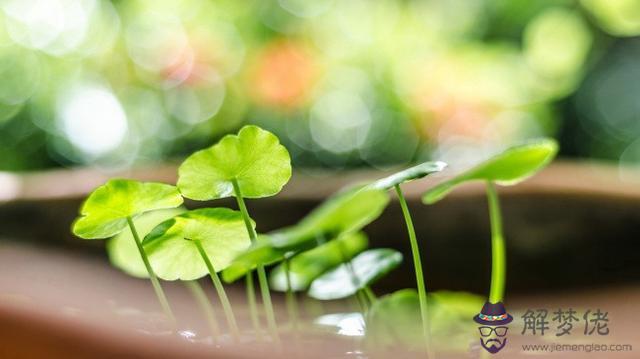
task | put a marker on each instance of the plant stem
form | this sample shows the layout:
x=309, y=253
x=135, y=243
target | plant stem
x=204, y=303
x=369, y=293
x=292, y=305
x=262, y=275
x=417, y=266
x=355, y=281
x=354, y=303
x=226, y=306
x=362, y=302
x=253, y=308
x=266, y=301
x=498, y=250
x=162, y=298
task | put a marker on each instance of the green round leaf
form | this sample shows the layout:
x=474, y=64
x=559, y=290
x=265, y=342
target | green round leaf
x=368, y=267
x=255, y=158
x=392, y=320
x=508, y=168
x=309, y=265
x=122, y=249
x=104, y=213
x=173, y=253
x=347, y=211
x=262, y=252
x=409, y=174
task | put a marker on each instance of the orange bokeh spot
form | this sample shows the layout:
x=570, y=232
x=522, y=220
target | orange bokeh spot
x=283, y=75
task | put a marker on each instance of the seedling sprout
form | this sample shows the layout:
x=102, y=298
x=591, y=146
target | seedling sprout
x=196, y=243
x=507, y=168
x=122, y=250
x=251, y=164
x=110, y=208
x=123, y=254
x=395, y=181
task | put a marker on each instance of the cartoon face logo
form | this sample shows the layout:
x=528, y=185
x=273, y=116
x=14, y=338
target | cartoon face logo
x=493, y=339
x=493, y=320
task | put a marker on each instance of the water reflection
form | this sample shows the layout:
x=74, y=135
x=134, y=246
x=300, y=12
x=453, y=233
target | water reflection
x=347, y=324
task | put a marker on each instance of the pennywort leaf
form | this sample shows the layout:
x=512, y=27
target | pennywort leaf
x=254, y=158
x=346, y=279
x=449, y=318
x=345, y=212
x=409, y=174
x=507, y=168
x=309, y=265
x=104, y=213
x=262, y=252
x=122, y=250
x=392, y=320
x=173, y=253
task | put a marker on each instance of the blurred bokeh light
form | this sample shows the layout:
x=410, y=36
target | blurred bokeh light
x=344, y=83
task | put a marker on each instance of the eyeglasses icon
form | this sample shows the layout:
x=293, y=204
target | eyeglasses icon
x=486, y=331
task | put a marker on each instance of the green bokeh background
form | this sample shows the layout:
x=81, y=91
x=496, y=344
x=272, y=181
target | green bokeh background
x=343, y=83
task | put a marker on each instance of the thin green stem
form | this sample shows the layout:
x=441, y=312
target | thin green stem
x=498, y=250
x=262, y=275
x=224, y=300
x=203, y=302
x=355, y=281
x=253, y=308
x=360, y=293
x=266, y=301
x=162, y=298
x=362, y=301
x=292, y=305
x=354, y=303
x=417, y=266
x=369, y=293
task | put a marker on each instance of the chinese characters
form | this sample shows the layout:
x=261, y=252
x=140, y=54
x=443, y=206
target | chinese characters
x=564, y=321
